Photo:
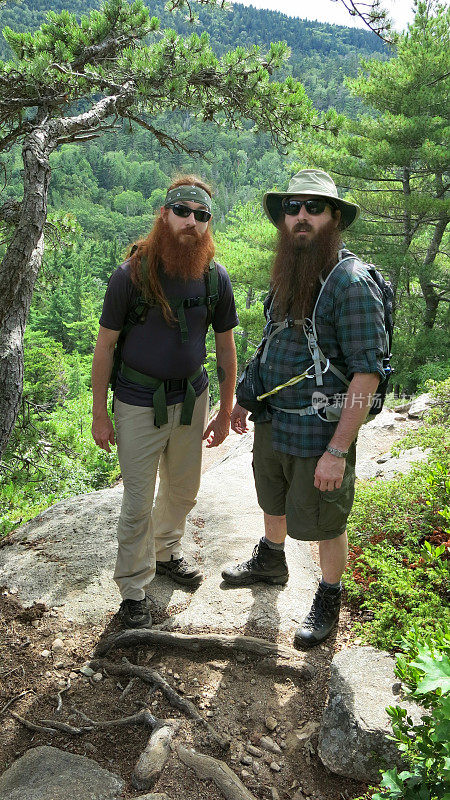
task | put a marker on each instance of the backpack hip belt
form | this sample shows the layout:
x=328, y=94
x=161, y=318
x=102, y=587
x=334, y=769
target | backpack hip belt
x=159, y=395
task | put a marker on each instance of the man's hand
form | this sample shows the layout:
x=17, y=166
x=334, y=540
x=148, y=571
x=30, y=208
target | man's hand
x=103, y=433
x=218, y=429
x=239, y=419
x=329, y=472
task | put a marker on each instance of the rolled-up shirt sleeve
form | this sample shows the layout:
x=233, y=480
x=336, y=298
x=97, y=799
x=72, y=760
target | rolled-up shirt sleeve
x=359, y=320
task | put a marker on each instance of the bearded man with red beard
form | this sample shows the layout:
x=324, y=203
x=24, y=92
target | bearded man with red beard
x=304, y=448
x=171, y=289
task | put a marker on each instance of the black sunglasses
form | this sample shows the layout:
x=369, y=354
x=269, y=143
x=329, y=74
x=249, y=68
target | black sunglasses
x=314, y=207
x=184, y=211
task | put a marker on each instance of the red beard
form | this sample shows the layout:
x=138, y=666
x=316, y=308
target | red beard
x=185, y=254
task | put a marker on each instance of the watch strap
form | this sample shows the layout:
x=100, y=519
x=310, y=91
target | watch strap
x=335, y=452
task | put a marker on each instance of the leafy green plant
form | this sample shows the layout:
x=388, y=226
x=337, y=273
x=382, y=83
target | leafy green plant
x=52, y=455
x=424, y=669
x=399, y=540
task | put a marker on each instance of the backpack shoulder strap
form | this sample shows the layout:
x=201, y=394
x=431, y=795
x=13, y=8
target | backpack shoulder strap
x=212, y=290
x=310, y=330
x=136, y=315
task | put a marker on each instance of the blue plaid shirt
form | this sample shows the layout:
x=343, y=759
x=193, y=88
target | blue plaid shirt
x=350, y=332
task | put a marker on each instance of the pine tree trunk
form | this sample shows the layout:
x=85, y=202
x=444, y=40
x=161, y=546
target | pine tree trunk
x=20, y=265
x=431, y=296
x=18, y=272
x=11, y=347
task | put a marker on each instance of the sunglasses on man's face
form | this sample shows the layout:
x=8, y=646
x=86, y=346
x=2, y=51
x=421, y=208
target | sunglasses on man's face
x=314, y=207
x=184, y=211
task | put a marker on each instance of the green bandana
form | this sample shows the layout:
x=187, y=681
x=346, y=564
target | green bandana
x=194, y=193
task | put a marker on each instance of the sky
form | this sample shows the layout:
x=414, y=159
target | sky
x=333, y=11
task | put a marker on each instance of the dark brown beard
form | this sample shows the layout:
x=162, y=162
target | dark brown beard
x=297, y=266
x=184, y=255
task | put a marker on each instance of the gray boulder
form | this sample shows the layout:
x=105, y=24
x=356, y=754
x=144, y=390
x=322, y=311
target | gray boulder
x=420, y=406
x=65, y=557
x=46, y=773
x=353, y=739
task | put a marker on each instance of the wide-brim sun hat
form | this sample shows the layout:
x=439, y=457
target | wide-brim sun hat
x=315, y=183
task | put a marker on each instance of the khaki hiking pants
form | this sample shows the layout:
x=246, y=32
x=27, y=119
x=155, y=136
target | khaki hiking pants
x=148, y=533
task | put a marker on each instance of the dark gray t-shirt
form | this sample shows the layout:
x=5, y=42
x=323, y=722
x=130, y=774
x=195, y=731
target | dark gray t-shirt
x=155, y=348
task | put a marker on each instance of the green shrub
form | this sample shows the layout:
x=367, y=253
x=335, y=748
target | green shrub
x=424, y=669
x=51, y=456
x=45, y=378
x=399, y=539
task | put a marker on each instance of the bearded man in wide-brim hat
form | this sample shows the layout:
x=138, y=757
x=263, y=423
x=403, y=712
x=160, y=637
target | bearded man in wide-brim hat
x=304, y=449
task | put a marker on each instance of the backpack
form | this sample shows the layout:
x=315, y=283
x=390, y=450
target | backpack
x=137, y=315
x=329, y=408
x=387, y=296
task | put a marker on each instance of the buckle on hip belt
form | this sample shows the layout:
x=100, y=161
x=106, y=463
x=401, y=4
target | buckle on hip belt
x=175, y=384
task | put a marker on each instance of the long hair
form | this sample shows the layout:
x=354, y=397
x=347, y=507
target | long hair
x=149, y=249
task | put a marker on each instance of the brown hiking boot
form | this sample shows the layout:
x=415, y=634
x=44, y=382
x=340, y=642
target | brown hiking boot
x=181, y=570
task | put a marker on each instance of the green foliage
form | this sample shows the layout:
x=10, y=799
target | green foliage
x=393, y=161
x=50, y=456
x=399, y=537
x=45, y=370
x=321, y=54
x=424, y=668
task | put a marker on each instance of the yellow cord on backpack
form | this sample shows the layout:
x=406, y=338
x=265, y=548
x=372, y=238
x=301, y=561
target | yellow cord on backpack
x=290, y=382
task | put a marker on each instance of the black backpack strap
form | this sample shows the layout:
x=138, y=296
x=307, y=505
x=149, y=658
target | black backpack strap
x=136, y=316
x=209, y=299
x=212, y=291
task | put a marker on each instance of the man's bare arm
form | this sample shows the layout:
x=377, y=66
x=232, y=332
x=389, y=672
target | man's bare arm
x=102, y=427
x=219, y=428
x=330, y=469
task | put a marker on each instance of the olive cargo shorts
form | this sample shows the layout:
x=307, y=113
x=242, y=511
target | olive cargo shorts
x=285, y=485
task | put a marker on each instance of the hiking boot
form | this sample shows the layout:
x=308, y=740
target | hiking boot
x=135, y=613
x=321, y=619
x=265, y=565
x=181, y=570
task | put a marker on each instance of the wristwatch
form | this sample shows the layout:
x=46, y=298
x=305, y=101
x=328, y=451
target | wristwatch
x=335, y=452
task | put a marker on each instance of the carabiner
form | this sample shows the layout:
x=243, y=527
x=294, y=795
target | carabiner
x=312, y=367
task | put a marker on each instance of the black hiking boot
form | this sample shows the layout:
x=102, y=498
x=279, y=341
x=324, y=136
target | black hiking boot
x=321, y=619
x=265, y=565
x=181, y=570
x=135, y=613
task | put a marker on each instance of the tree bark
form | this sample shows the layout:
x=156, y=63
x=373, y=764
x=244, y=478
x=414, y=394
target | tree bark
x=33, y=213
x=18, y=272
x=11, y=347
x=431, y=296
x=21, y=263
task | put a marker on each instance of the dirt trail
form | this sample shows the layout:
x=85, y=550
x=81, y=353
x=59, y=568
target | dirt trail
x=41, y=678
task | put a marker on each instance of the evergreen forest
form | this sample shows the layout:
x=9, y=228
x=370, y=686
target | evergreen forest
x=101, y=105
x=379, y=125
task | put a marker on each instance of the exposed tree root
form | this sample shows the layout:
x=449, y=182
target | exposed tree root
x=51, y=726
x=32, y=726
x=153, y=677
x=155, y=755
x=208, y=768
x=285, y=656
